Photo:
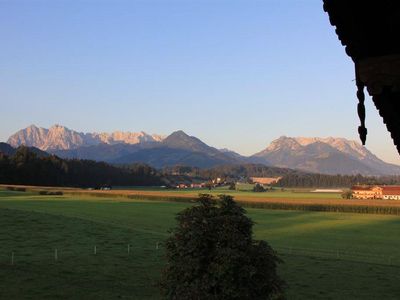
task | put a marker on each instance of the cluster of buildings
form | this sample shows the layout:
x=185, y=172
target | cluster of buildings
x=191, y=185
x=213, y=183
x=385, y=192
x=264, y=181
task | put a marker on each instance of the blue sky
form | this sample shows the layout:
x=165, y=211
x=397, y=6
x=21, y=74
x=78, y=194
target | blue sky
x=236, y=74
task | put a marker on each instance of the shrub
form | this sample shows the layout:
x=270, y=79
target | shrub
x=347, y=195
x=50, y=193
x=16, y=189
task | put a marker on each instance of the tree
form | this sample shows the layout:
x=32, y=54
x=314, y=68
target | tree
x=258, y=188
x=211, y=255
x=232, y=186
x=347, y=195
x=209, y=185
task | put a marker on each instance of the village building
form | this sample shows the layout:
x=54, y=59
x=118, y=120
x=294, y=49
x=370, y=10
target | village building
x=376, y=192
x=182, y=186
x=367, y=192
x=217, y=180
x=391, y=193
x=265, y=180
x=197, y=185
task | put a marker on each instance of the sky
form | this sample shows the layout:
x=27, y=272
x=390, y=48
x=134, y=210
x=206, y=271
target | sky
x=235, y=73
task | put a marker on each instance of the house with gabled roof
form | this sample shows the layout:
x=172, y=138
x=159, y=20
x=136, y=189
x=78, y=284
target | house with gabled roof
x=385, y=192
x=367, y=192
x=391, y=192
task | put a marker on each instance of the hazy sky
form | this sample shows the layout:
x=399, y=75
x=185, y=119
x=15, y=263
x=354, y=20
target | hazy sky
x=236, y=74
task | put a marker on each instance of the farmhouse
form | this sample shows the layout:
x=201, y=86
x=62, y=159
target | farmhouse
x=265, y=180
x=367, y=192
x=376, y=192
x=197, y=185
x=391, y=192
x=182, y=186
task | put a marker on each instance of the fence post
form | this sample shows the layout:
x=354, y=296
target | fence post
x=12, y=258
x=157, y=246
x=129, y=249
x=337, y=254
x=95, y=250
x=55, y=254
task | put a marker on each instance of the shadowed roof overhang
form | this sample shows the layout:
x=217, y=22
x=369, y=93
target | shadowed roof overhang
x=370, y=31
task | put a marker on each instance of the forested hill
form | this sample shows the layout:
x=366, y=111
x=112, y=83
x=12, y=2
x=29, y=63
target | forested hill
x=24, y=166
x=288, y=177
x=28, y=166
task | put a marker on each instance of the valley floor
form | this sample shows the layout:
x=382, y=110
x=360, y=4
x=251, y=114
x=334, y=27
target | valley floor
x=285, y=198
x=85, y=247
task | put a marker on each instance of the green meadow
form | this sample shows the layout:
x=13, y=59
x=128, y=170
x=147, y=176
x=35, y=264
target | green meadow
x=245, y=190
x=70, y=247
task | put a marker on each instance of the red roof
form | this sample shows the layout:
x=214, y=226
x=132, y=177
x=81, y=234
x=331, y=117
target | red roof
x=391, y=190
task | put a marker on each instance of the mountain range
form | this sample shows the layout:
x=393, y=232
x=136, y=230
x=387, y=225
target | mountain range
x=60, y=137
x=326, y=156
x=318, y=155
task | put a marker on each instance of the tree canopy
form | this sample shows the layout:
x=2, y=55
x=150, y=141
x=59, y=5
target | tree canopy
x=27, y=167
x=211, y=254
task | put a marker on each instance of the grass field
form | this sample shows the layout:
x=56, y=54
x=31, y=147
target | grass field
x=288, y=199
x=327, y=255
x=246, y=192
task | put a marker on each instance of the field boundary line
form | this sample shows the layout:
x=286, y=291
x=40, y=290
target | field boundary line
x=341, y=255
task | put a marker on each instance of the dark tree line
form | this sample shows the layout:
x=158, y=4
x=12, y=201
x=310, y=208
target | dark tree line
x=321, y=180
x=26, y=167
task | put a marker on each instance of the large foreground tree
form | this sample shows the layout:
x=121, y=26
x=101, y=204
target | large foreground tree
x=211, y=255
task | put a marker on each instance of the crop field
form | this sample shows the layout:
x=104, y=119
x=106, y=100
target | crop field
x=85, y=247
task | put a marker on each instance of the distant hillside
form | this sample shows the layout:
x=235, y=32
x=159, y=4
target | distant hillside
x=100, y=152
x=176, y=149
x=179, y=149
x=325, y=155
x=28, y=165
x=234, y=172
x=25, y=166
x=288, y=177
x=8, y=150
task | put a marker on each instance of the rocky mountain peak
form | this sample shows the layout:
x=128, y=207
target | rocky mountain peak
x=180, y=140
x=180, y=137
x=59, y=137
x=350, y=147
x=283, y=142
x=325, y=155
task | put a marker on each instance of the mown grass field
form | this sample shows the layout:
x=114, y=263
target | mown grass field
x=245, y=192
x=327, y=255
